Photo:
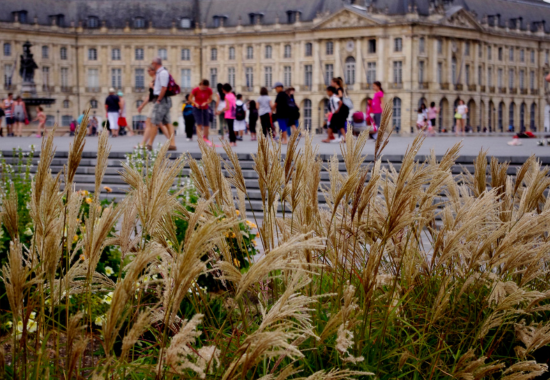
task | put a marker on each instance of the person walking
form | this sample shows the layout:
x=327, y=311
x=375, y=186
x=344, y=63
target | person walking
x=377, y=103
x=122, y=122
x=41, y=118
x=264, y=111
x=220, y=105
x=337, y=123
x=293, y=110
x=112, y=108
x=19, y=116
x=201, y=97
x=2, y=114
x=281, y=111
x=460, y=116
x=188, y=118
x=432, y=115
x=240, y=118
x=93, y=126
x=150, y=131
x=229, y=113
x=252, y=119
x=7, y=105
x=160, y=115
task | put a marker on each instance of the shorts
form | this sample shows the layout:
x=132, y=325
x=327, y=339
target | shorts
x=432, y=122
x=240, y=125
x=202, y=117
x=19, y=118
x=161, y=112
x=377, y=119
x=113, y=120
x=9, y=120
x=293, y=122
x=283, y=124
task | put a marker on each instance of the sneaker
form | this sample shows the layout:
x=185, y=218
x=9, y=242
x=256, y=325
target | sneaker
x=239, y=138
x=172, y=147
x=514, y=142
x=336, y=140
x=38, y=135
x=208, y=142
x=188, y=140
x=540, y=143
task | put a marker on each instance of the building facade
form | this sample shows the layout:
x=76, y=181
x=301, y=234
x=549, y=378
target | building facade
x=422, y=51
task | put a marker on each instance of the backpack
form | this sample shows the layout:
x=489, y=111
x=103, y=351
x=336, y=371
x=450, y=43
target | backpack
x=173, y=88
x=240, y=113
x=188, y=110
x=358, y=117
x=347, y=102
x=293, y=110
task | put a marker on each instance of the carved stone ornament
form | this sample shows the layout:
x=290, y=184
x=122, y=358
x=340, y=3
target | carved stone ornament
x=346, y=20
x=460, y=20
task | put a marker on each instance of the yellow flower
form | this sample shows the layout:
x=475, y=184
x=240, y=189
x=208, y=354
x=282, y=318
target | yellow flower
x=88, y=200
x=75, y=238
x=108, y=298
x=84, y=192
x=251, y=224
x=254, y=242
x=108, y=189
x=238, y=212
x=237, y=263
x=99, y=320
x=230, y=234
x=32, y=326
x=109, y=271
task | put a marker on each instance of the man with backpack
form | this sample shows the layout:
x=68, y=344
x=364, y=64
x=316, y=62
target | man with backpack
x=201, y=97
x=240, y=117
x=164, y=87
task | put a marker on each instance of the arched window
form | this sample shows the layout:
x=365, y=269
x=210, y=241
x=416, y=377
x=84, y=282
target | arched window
x=350, y=70
x=214, y=54
x=66, y=103
x=288, y=51
x=63, y=53
x=533, y=116
x=307, y=114
x=249, y=52
x=92, y=54
x=66, y=120
x=522, y=110
x=7, y=49
x=268, y=51
x=309, y=49
x=397, y=114
x=501, y=116
x=93, y=103
x=511, y=115
x=93, y=22
x=139, y=23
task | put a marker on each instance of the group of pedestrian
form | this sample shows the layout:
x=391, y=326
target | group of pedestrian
x=15, y=112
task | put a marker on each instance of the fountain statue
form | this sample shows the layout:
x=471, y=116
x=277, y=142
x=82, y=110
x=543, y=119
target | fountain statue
x=28, y=87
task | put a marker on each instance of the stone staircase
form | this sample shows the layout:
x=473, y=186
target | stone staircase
x=85, y=174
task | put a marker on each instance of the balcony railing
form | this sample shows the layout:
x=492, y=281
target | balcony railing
x=249, y=89
x=459, y=87
x=492, y=89
x=366, y=86
x=47, y=88
x=9, y=86
x=534, y=91
x=524, y=91
x=482, y=88
x=306, y=87
x=502, y=90
x=423, y=85
x=139, y=89
x=513, y=90
x=396, y=86
x=66, y=89
x=92, y=89
x=444, y=86
x=472, y=87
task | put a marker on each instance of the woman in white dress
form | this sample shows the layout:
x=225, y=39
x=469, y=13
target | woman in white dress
x=461, y=116
x=220, y=106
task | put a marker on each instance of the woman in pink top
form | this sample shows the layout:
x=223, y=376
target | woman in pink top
x=377, y=103
x=229, y=110
x=432, y=114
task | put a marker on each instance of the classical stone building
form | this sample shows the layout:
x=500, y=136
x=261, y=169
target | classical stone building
x=491, y=53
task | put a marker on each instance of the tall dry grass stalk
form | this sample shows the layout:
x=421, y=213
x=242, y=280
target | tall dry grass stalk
x=405, y=271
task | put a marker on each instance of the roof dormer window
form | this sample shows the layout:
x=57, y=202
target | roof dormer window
x=139, y=23
x=255, y=18
x=185, y=23
x=218, y=20
x=93, y=22
x=20, y=16
x=292, y=16
x=57, y=19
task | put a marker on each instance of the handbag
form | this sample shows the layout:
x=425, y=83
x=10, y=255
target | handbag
x=26, y=121
x=122, y=121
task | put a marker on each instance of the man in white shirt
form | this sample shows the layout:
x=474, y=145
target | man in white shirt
x=162, y=103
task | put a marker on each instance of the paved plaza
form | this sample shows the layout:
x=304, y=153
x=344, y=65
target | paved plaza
x=496, y=145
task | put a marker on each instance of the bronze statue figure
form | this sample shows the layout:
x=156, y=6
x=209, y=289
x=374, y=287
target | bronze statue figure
x=27, y=64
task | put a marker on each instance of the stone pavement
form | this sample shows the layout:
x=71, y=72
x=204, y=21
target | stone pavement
x=496, y=145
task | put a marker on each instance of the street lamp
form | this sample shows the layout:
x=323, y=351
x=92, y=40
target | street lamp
x=58, y=120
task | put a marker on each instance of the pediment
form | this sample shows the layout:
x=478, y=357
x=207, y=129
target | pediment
x=462, y=19
x=347, y=19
